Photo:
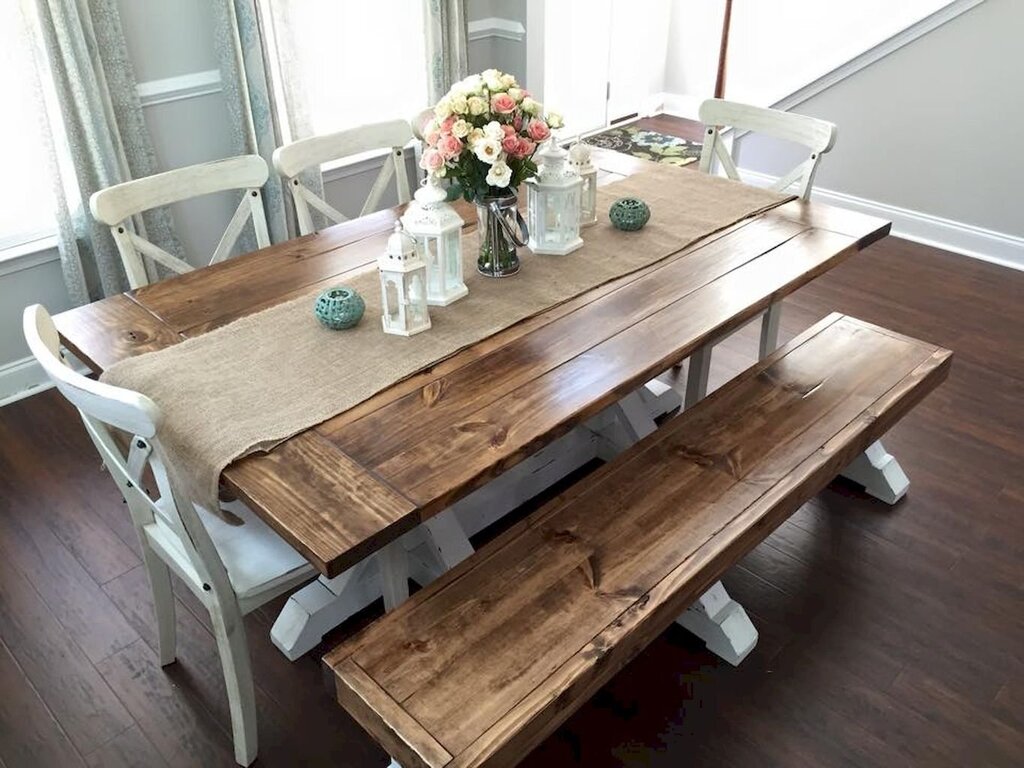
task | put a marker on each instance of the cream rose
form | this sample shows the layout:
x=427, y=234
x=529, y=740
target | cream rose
x=477, y=105
x=500, y=174
x=459, y=105
x=508, y=81
x=443, y=108
x=461, y=128
x=516, y=93
x=530, y=106
x=554, y=120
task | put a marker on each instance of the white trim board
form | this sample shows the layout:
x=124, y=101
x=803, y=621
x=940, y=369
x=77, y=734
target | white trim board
x=505, y=29
x=180, y=87
x=956, y=236
x=21, y=378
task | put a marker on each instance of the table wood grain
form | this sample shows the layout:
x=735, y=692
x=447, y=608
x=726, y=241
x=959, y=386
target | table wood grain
x=344, y=488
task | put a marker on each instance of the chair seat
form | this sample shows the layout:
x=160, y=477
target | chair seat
x=256, y=558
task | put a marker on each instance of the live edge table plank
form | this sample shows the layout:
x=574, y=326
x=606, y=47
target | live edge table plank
x=343, y=489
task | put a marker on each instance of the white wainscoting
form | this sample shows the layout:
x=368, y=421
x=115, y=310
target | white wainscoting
x=956, y=236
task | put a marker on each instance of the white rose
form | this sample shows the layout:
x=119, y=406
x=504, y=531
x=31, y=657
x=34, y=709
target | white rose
x=500, y=174
x=554, y=120
x=492, y=79
x=477, y=105
x=530, y=106
x=459, y=105
x=443, y=108
x=472, y=84
x=487, y=150
x=460, y=129
x=493, y=130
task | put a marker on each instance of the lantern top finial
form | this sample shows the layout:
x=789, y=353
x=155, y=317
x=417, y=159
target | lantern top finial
x=400, y=245
x=431, y=193
x=553, y=169
x=579, y=157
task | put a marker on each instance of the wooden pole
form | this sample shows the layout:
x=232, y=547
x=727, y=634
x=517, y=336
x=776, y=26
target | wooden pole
x=723, y=51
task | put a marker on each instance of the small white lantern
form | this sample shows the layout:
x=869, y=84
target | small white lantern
x=579, y=161
x=553, y=204
x=437, y=230
x=403, y=285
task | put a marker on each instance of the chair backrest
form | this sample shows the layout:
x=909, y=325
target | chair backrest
x=292, y=159
x=116, y=205
x=818, y=136
x=105, y=408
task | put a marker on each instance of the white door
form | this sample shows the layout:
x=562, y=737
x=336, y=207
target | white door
x=576, y=35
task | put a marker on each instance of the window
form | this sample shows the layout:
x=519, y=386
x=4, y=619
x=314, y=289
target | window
x=348, y=64
x=26, y=196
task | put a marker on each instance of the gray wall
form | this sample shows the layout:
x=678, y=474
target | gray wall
x=499, y=53
x=935, y=127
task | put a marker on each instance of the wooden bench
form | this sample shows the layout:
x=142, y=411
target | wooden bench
x=480, y=666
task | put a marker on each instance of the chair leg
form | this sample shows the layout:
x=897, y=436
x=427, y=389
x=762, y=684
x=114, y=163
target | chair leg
x=697, y=376
x=234, y=658
x=163, y=603
x=770, y=330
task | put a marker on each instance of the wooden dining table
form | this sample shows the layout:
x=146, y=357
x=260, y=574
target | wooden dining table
x=344, y=489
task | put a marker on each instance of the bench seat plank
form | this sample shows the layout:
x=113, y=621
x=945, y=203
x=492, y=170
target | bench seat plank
x=498, y=652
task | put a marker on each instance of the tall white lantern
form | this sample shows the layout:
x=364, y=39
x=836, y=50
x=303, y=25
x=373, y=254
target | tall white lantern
x=403, y=286
x=579, y=161
x=437, y=230
x=553, y=204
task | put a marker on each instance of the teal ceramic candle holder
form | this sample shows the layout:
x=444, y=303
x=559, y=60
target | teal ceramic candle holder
x=629, y=214
x=339, y=307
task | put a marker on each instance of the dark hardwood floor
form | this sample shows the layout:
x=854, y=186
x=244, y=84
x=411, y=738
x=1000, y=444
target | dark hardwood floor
x=889, y=636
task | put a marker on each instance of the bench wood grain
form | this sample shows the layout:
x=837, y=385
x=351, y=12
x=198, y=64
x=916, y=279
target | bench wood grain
x=493, y=656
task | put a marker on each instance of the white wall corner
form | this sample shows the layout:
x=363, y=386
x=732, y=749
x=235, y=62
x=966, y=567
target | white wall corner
x=187, y=86
x=956, y=236
x=680, y=104
x=494, y=26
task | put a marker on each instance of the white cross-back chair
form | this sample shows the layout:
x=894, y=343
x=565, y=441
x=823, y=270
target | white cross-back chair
x=116, y=205
x=232, y=569
x=818, y=136
x=292, y=159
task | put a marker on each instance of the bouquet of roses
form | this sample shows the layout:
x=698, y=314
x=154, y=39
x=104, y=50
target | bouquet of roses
x=484, y=134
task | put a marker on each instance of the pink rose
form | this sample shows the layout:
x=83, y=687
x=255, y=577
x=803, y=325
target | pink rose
x=432, y=137
x=508, y=129
x=502, y=103
x=526, y=147
x=538, y=130
x=511, y=144
x=449, y=146
x=517, y=122
x=447, y=123
x=431, y=161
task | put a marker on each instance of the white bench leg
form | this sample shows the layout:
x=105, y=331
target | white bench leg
x=722, y=624
x=880, y=474
x=770, y=330
x=659, y=397
x=697, y=376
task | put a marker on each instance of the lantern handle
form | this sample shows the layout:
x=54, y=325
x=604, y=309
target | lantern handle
x=519, y=238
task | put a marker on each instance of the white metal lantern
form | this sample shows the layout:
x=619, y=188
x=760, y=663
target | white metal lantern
x=403, y=286
x=437, y=230
x=579, y=161
x=553, y=204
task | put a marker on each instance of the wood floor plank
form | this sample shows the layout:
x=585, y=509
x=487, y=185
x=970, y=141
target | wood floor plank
x=29, y=735
x=130, y=749
x=175, y=723
x=58, y=670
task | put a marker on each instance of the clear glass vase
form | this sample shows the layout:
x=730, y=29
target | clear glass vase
x=501, y=230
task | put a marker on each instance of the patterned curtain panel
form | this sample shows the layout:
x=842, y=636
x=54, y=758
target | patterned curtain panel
x=96, y=135
x=246, y=74
x=446, y=38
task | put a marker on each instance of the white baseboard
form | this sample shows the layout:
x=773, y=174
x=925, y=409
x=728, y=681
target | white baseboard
x=21, y=378
x=505, y=29
x=956, y=236
x=683, y=105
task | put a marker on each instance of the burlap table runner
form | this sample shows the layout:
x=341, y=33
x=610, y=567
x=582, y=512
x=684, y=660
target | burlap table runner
x=255, y=382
